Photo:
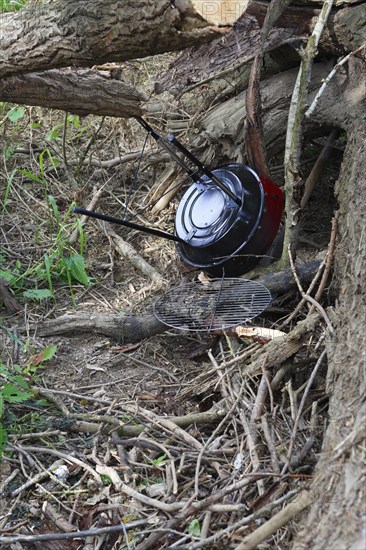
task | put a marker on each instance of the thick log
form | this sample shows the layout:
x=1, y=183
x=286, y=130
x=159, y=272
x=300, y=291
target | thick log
x=92, y=92
x=338, y=491
x=345, y=31
x=63, y=33
x=225, y=124
x=81, y=92
x=128, y=329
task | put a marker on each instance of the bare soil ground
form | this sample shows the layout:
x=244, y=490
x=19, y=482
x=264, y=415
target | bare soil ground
x=128, y=460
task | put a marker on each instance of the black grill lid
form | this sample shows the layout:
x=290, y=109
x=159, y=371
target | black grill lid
x=205, y=212
x=211, y=222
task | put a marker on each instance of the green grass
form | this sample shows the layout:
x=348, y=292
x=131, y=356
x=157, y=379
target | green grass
x=11, y=5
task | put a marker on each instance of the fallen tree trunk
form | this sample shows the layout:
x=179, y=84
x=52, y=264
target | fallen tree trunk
x=345, y=31
x=92, y=92
x=63, y=33
x=82, y=92
x=129, y=329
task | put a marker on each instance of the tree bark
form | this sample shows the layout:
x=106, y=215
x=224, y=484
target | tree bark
x=336, y=518
x=345, y=31
x=92, y=92
x=63, y=33
x=81, y=92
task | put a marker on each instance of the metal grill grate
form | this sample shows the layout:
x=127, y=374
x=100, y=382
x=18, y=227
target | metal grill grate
x=215, y=305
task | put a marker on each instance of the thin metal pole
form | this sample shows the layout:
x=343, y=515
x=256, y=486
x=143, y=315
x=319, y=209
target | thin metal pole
x=172, y=140
x=131, y=225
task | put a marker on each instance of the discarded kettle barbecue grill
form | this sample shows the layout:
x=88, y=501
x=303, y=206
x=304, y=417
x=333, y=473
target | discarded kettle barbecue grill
x=226, y=220
x=225, y=223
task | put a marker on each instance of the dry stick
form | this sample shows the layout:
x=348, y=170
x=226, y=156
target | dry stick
x=300, y=410
x=57, y=518
x=193, y=508
x=254, y=141
x=302, y=301
x=37, y=478
x=252, y=435
x=270, y=445
x=65, y=456
x=328, y=260
x=172, y=427
x=280, y=519
x=216, y=431
x=9, y=479
x=128, y=251
x=90, y=142
x=152, y=502
x=208, y=417
x=264, y=511
x=306, y=296
x=294, y=134
x=206, y=525
x=309, y=185
x=320, y=92
x=52, y=398
x=74, y=535
x=267, y=377
x=133, y=155
x=259, y=406
x=96, y=196
x=318, y=168
x=281, y=349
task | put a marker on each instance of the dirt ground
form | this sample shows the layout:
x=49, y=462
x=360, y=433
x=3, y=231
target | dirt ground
x=146, y=475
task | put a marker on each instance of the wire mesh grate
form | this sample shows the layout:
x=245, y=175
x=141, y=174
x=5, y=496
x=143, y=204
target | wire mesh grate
x=215, y=305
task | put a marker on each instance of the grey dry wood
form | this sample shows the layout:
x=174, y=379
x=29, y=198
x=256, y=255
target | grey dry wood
x=129, y=329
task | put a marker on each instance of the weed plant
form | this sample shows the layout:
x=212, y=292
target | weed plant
x=11, y=5
x=16, y=388
x=62, y=261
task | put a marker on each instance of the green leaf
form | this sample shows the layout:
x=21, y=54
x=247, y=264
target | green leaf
x=8, y=187
x=1, y=405
x=56, y=212
x=75, y=120
x=76, y=266
x=11, y=394
x=16, y=113
x=7, y=275
x=49, y=352
x=48, y=266
x=194, y=528
x=8, y=152
x=54, y=134
x=38, y=294
x=31, y=176
x=159, y=460
x=3, y=439
x=18, y=378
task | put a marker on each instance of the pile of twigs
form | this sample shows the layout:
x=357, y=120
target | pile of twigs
x=204, y=480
